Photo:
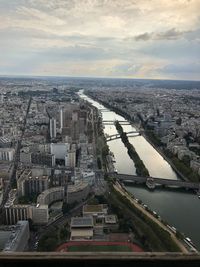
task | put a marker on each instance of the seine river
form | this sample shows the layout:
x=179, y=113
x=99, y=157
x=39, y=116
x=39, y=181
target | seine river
x=179, y=209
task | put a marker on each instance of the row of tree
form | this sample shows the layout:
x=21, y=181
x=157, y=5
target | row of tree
x=141, y=170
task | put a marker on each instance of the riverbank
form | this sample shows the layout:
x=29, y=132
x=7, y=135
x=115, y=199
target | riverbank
x=180, y=209
x=168, y=238
x=179, y=174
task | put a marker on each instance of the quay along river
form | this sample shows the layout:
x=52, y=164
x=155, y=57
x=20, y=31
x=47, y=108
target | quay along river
x=180, y=209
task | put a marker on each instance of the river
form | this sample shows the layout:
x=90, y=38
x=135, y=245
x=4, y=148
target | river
x=179, y=209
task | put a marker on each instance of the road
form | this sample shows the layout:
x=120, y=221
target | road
x=16, y=160
x=138, y=206
x=100, y=185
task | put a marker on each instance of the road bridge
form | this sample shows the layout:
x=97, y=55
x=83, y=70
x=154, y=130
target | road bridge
x=107, y=122
x=156, y=181
x=104, y=110
x=129, y=134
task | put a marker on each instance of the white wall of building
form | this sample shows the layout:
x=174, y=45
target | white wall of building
x=7, y=154
x=53, y=128
x=60, y=150
x=40, y=214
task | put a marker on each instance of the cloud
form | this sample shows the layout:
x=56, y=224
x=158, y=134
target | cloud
x=171, y=34
x=186, y=68
x=142, y=37
x=130, y=38
x=126, y=69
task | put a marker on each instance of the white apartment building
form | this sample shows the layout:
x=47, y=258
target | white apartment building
x=53, y=128
x=7, y=154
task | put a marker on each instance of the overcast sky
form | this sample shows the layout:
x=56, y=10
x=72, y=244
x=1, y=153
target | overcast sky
x=101, y=38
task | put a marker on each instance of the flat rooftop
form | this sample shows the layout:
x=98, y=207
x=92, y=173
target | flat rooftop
x=15, y=237
x=110, y=219
x=93, y=208
x=83, y=233
x=4, y=236
x=77, y=222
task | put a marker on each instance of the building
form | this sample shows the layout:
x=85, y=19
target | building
x=51, y=195
x=25, y=156
x=60, y=150
x=5, y=232
x=53, y=128
x=88, y=176
x=39, y=171
x=111, y=222
x=5, y=142
x=101, y=218
x=7, y=154
x=77, y=192
x=61, y=119
x=81, y=228
x=1, y=183
x=100, y=210
x=43, y=159
x=28, y=185
x=40, y=214
x=70, y=159
x=18, y=238
x=58, y=176
x=14, y=213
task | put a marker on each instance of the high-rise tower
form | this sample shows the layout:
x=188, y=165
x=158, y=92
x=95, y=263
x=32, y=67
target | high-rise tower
x=53, y=128
x=61, y=119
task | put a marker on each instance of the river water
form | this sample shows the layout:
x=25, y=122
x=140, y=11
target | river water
x=179, y=209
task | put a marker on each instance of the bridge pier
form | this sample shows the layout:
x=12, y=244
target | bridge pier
x=117, y=136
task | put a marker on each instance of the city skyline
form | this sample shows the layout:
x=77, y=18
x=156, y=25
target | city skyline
x=138, y=39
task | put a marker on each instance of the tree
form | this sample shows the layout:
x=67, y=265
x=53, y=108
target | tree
x=93, y=201
x=64, y=233
x=66, y=207
x=48, y=244
x=31, y=227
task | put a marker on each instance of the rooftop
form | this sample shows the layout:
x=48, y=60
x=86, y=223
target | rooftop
x=84, y=233
x=15, y=237
x=82, y=222
x=111, y=219
x=93, y=208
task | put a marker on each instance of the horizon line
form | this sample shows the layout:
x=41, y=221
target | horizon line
x=89, y=77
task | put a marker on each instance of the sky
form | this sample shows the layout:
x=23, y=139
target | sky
x=157, y=39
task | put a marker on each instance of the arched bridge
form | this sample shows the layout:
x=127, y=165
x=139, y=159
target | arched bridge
x=117, y=136
x=156, y=181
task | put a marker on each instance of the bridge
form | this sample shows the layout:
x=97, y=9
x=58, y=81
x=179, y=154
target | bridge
x=106, y=122
x=104, y=110
x=117, y=136
x=152, y=182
